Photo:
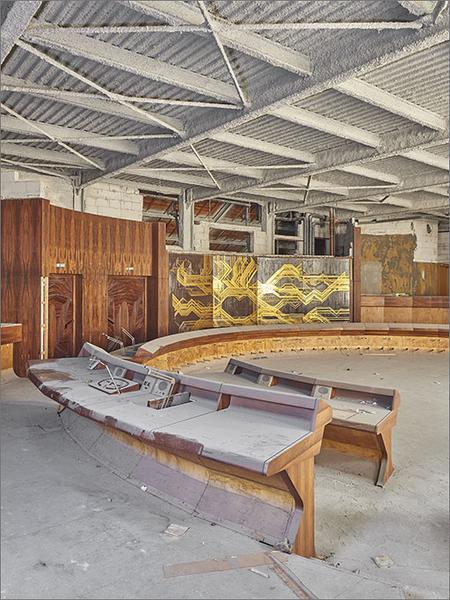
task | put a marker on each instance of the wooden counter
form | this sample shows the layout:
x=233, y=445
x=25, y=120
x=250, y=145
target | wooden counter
x=10, y=334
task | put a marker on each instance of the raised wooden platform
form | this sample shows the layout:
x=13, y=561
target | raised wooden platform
x=175, y=351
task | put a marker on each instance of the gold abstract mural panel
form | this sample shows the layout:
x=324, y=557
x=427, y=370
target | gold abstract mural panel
x=307, y=290
x=190, y=292
x=229, y=290
x=234, y=290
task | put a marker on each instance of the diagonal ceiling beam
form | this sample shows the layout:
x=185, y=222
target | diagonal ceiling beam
x=41, y=154
x=252, y=44
x=317, y=184
x=151, y=117
x=67, y=134
x=427, y=158
x=215, y=164
x=184, y=178
x=357, y=88
x=50, y=136
x=306, y=118
x=210, y=22
x=19, y=166
x=92, y=102
x=393, y=143
x=355, y=62
x=15, y=23
x=291, y=196
x=268, y=147
x=131, y=62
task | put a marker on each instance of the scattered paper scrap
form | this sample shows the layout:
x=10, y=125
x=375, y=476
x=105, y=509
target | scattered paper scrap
x=383, y=561
x=176, y=530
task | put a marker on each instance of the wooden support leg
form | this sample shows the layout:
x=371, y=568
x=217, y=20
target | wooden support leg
x=386, y=465
x=301, y=475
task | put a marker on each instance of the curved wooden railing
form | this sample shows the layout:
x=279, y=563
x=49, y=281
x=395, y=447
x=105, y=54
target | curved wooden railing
x=178, y=350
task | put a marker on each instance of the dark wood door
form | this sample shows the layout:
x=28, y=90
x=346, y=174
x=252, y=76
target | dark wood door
x=64, y=311
x=127, y=308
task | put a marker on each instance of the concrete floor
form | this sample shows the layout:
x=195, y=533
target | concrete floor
x=72, y=529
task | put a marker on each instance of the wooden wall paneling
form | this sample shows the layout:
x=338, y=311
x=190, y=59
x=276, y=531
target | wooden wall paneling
x=127, y=308
x=95, y=307
x=443, y=279
x=64, y=315
x=405, y=309
x=158, y=287
x=22, y=222
x=430, y=279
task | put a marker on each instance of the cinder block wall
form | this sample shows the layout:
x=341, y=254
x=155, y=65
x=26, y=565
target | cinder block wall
x=106, y=199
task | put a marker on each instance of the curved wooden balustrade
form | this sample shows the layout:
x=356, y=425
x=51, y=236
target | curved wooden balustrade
x=175, y=351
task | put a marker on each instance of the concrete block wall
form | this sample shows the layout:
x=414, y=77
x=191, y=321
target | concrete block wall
x=261, y=241
x=425, y=230
x=106, y=199
x=443, y=246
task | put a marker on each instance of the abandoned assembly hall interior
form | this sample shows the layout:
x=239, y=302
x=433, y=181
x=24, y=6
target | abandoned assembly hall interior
x=224, y=299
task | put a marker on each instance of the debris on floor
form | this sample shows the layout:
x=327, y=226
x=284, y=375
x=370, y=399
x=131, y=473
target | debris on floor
x=383, y=561
x=175, y=530
x=260, y=573
x=215, y=565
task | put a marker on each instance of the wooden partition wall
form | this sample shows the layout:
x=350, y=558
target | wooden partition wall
x=70, y=277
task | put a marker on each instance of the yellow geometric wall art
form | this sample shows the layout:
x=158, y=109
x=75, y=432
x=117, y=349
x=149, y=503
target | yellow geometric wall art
x=291, y=295
x=234, y=290
x=229, y=290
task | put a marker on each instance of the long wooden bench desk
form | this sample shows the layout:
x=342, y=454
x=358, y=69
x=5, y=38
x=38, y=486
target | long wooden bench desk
x=363, y=416
x=233, y=454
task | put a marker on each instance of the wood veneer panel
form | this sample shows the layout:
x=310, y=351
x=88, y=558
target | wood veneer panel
x=64, y=315
x=21, y=274
x=158, y=289
x=10, y=333
x=127, y=297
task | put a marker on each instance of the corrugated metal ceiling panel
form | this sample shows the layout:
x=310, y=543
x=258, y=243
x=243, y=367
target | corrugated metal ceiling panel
x=339, y=106
x=421, y=78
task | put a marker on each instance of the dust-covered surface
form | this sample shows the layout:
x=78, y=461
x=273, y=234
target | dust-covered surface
x=408, y=519
x=72, y=529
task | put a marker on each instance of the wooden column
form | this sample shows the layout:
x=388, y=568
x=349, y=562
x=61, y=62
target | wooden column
x=158, y=298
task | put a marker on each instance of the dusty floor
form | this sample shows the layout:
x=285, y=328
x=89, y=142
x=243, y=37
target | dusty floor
x=71, y=529
x=408, y=519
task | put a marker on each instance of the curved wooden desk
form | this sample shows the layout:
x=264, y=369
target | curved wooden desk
x=236, y=455
x=355, y=429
